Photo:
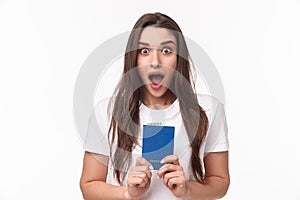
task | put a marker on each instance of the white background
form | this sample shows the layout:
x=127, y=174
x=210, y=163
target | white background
x=255, y=46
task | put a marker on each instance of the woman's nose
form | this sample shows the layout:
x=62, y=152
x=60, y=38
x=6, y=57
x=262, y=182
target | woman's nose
x=155, y=58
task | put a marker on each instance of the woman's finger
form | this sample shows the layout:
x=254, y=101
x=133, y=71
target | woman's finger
x=144, y=169
x=139, y=169
x=175, y=182
x=170, y=159
x=172, y=175
x=168, y=168
x=136, y=182
x=139, y=179
x=140, y=161
x=142, y=175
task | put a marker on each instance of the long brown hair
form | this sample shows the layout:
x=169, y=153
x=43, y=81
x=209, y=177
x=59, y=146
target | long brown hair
x=124, y=125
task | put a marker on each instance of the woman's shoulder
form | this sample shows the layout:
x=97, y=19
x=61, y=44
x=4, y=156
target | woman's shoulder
x=105, y=101
x=102, y=106
x=208, y=102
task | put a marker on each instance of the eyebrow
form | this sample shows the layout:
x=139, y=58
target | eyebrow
x=162, y=43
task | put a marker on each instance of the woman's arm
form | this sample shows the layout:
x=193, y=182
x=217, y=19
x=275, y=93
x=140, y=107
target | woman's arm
x=92, y=182
x=216, y=178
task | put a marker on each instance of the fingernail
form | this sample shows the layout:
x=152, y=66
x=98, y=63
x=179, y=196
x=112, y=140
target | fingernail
x=162, y=161
x=181, y=186
x=151, y=167
x=157, y=177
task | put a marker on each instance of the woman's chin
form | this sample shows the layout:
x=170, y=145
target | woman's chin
x=157, y=93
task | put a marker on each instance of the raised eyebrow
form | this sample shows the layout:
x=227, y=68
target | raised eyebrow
x=167, y=42
x=162, y=43
x=144, y=43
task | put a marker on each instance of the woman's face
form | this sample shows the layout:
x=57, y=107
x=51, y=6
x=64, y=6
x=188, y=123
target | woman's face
x=156, y=59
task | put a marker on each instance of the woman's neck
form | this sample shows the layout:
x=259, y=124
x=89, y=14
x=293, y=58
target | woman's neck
x=159, y=102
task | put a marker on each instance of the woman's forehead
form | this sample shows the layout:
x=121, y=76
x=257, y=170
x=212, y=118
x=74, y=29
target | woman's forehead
x=155, y=36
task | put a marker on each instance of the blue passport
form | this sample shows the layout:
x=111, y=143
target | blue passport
x=158, y=142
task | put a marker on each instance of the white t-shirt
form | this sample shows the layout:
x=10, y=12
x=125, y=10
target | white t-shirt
x=216, y=139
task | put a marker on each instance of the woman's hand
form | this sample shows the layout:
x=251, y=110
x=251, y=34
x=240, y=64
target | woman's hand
x=173, y=175
x=139, y=179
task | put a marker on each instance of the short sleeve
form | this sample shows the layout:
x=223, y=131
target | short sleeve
x=96, y=140
x=217, y=136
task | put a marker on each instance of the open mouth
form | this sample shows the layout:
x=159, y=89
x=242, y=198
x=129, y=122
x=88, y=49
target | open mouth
x=156, y=78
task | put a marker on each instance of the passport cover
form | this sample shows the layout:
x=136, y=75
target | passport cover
x=158, y=142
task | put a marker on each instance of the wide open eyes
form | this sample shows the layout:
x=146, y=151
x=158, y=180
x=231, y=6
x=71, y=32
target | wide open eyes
x=165, y=50
x=144, y=51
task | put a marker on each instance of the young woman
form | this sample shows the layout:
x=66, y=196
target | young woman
x=156, y=78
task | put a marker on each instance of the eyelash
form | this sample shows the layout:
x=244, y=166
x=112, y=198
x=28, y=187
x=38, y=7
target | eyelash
x=168, y=48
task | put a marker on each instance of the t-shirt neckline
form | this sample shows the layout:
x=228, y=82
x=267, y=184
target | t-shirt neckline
x=169, y=111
